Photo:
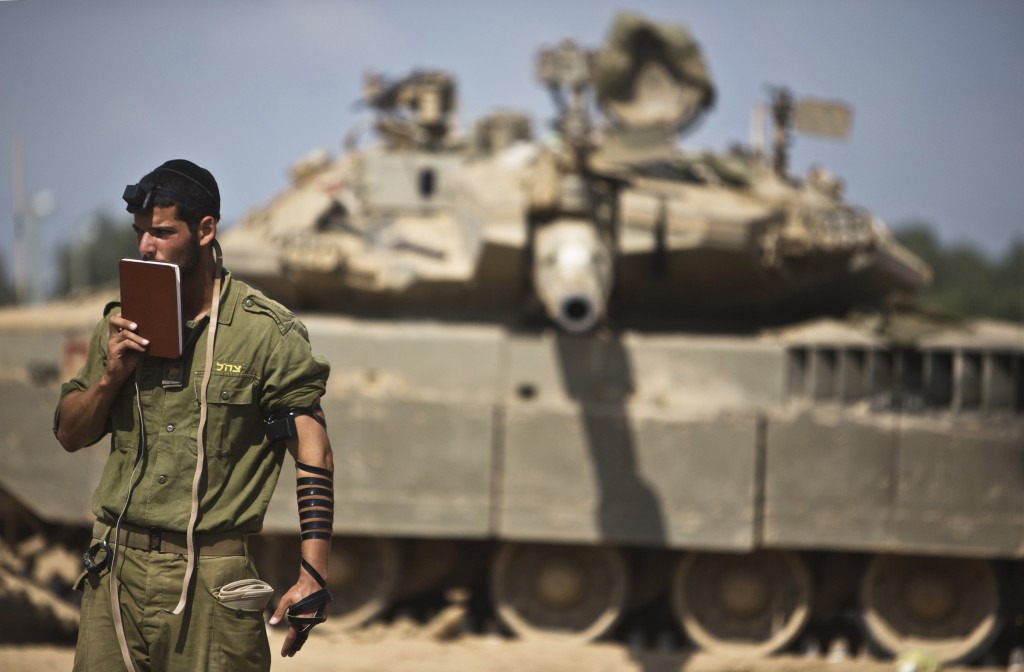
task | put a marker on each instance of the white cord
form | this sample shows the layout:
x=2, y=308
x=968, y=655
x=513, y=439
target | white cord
x=115, y=598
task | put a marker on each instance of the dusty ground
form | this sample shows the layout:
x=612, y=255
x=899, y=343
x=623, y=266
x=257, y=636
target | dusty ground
x=413, y=650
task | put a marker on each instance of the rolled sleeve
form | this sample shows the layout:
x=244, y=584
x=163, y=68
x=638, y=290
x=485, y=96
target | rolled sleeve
x=295, y=378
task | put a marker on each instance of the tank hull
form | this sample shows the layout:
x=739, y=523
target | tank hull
x=817, y=445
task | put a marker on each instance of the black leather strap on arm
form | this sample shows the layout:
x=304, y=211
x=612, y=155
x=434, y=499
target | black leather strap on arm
x=281, y=424
x=315, y=496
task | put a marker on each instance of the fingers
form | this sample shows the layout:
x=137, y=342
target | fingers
x=123, y=338
x=124, y=348
x=118, y=323
x=287, y=600
x=122, y=331
x=289, y=641
x=293, y=595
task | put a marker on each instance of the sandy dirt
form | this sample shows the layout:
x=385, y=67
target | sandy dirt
x=410, y=649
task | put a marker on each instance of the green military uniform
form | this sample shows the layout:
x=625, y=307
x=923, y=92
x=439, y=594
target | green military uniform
x=262, y=363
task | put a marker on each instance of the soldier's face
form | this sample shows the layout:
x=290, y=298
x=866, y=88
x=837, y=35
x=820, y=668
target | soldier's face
x=162, y=237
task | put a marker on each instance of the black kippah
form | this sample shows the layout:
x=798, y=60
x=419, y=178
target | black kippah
x=197, y=175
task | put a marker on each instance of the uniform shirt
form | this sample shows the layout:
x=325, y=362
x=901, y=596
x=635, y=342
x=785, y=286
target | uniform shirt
x=262, y=363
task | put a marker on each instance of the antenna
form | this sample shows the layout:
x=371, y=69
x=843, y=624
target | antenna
x=28, y=214
x=18, y=219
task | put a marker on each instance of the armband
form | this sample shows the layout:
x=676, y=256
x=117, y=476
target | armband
x=315, y=496
x=281, y=425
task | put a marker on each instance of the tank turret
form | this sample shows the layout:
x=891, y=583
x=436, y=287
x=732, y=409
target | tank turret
x=497, y=226
x=696, y=235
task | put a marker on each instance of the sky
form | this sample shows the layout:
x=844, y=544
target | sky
x=98, y=93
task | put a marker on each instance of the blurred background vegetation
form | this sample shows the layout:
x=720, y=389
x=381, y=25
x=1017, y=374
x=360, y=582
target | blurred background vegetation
x=6, y=286
x=88, y=262
x=93, y=262
x=967, y=283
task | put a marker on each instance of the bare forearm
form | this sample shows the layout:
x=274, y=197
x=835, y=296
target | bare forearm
x=316, y=552
x=83, y=415
x=312, y=446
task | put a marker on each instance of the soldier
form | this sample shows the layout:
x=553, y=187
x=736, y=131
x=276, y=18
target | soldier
x=196, y=449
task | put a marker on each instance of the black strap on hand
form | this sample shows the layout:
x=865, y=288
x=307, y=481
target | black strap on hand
x=319, y=599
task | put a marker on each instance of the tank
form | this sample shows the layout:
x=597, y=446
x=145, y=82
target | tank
x=609, y=388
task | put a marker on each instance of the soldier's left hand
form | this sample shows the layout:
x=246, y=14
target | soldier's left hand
x=305, y=587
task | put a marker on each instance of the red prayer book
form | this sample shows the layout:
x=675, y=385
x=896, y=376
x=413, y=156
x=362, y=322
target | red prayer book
x=151, y=298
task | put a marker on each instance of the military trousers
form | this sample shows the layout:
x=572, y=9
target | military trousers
x=207, y=635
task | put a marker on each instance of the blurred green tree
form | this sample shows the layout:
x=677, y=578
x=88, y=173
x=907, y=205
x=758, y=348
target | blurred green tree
x=966, y=282
x=7, y=293
x=91, y=261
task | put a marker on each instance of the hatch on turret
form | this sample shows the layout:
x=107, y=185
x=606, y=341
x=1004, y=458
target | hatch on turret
x=651, y=75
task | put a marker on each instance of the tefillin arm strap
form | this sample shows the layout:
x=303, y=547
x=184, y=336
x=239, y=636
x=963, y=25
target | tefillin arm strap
x=315, y=496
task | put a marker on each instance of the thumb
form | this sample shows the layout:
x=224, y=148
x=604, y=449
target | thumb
x=282, y=607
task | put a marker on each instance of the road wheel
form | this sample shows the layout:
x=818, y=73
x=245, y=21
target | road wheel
x=747, y=605
x=544, y=591
x=362, y=577
x=948, y=606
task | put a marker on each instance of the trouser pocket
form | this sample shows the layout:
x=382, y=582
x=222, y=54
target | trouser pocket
x=240, y=634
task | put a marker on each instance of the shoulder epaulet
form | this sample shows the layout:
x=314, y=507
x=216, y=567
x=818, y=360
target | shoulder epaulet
x=109, y=307
x=259, y=304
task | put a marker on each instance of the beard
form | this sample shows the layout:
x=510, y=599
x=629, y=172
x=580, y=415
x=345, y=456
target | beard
x=190, y=262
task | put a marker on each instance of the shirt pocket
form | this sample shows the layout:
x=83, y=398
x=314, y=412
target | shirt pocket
x=233, y=421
